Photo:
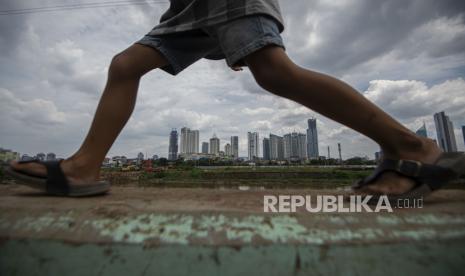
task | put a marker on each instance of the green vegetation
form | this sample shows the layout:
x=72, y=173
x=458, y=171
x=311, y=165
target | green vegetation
x=2, y=174
x=263, y=177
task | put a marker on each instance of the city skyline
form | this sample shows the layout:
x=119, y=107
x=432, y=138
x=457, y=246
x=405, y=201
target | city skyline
x=52, y=79
x=274, y=147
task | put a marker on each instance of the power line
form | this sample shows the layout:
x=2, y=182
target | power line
x=80, y=6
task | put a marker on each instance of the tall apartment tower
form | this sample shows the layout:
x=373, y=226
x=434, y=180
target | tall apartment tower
x=173, y=145
x=189, y=141
x=312, y=140
x=205, y=147
x=227, y=149
x=445, y=132
x=276, y=147
x=214, y=145
x=463, y=134
x=266, y=149
x=252, y=143
x=235, y=146
x=295, y=146
x=302, y=145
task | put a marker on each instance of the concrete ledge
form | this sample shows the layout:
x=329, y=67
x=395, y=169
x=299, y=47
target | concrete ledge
x=134, y=231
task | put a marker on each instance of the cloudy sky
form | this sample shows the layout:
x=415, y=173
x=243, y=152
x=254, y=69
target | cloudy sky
x=408, y=56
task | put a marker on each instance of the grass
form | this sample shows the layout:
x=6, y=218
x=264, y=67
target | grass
x=279, y=177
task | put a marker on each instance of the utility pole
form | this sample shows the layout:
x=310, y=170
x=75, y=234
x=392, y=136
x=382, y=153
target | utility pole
x=340, y=155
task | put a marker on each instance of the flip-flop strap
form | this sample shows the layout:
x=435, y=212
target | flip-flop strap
x=29, y=173
x=432, y=175
x=29, y=161
x=56, y=180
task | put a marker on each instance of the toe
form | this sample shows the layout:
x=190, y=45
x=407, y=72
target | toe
x=31, y=168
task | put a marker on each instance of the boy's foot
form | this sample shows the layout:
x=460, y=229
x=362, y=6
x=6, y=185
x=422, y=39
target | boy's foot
x=391, y=183
x=75, y=173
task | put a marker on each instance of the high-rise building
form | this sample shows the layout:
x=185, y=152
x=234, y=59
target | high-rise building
x=445, y=132
x=227, y=149
x=302, y=145
x=266, y=148
x=463, y=134
x=288, y=147
x=252, y=145
x=173, y=146
x=235, y=146
x=422, y=131
x=189, y=141
x=295, y=146
x=205, y=147
x=312, y=140
x=214, y=145
x=183, y=140
x=140, y=156
x=276, y=147
x=378, y=156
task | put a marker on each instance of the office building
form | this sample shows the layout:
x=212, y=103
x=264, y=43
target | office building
x=227, y=149
x=189, y=141
x=312, y=140
x=205, y=147
x=252, y=145
x=235, y=146
x=173, y=145
x=295, y=146
x=266, y=148
x=463, y=134
x=445, y=132
x=378, y=156
x=214, y=145
x=276, y=147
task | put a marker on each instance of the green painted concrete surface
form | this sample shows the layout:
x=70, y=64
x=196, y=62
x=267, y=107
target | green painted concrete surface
x=137, y=231
x=43, y=257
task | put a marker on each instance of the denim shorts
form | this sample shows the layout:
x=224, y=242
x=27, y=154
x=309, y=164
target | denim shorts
x=232, y=40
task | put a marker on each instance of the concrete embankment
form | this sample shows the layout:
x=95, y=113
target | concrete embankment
x=137, y=231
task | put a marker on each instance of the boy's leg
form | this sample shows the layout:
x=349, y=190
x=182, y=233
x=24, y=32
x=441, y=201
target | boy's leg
x=275, y=72
x=113, y=111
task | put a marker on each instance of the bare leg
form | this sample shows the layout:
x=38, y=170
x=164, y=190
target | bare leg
x=275, y=72
x=113, y=111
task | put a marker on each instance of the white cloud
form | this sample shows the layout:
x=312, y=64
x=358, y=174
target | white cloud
x=407, y=55
x=407, y=99
x=29, y=113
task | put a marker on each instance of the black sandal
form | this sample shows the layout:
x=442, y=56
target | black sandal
x=55, y=183
x=428, y=177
